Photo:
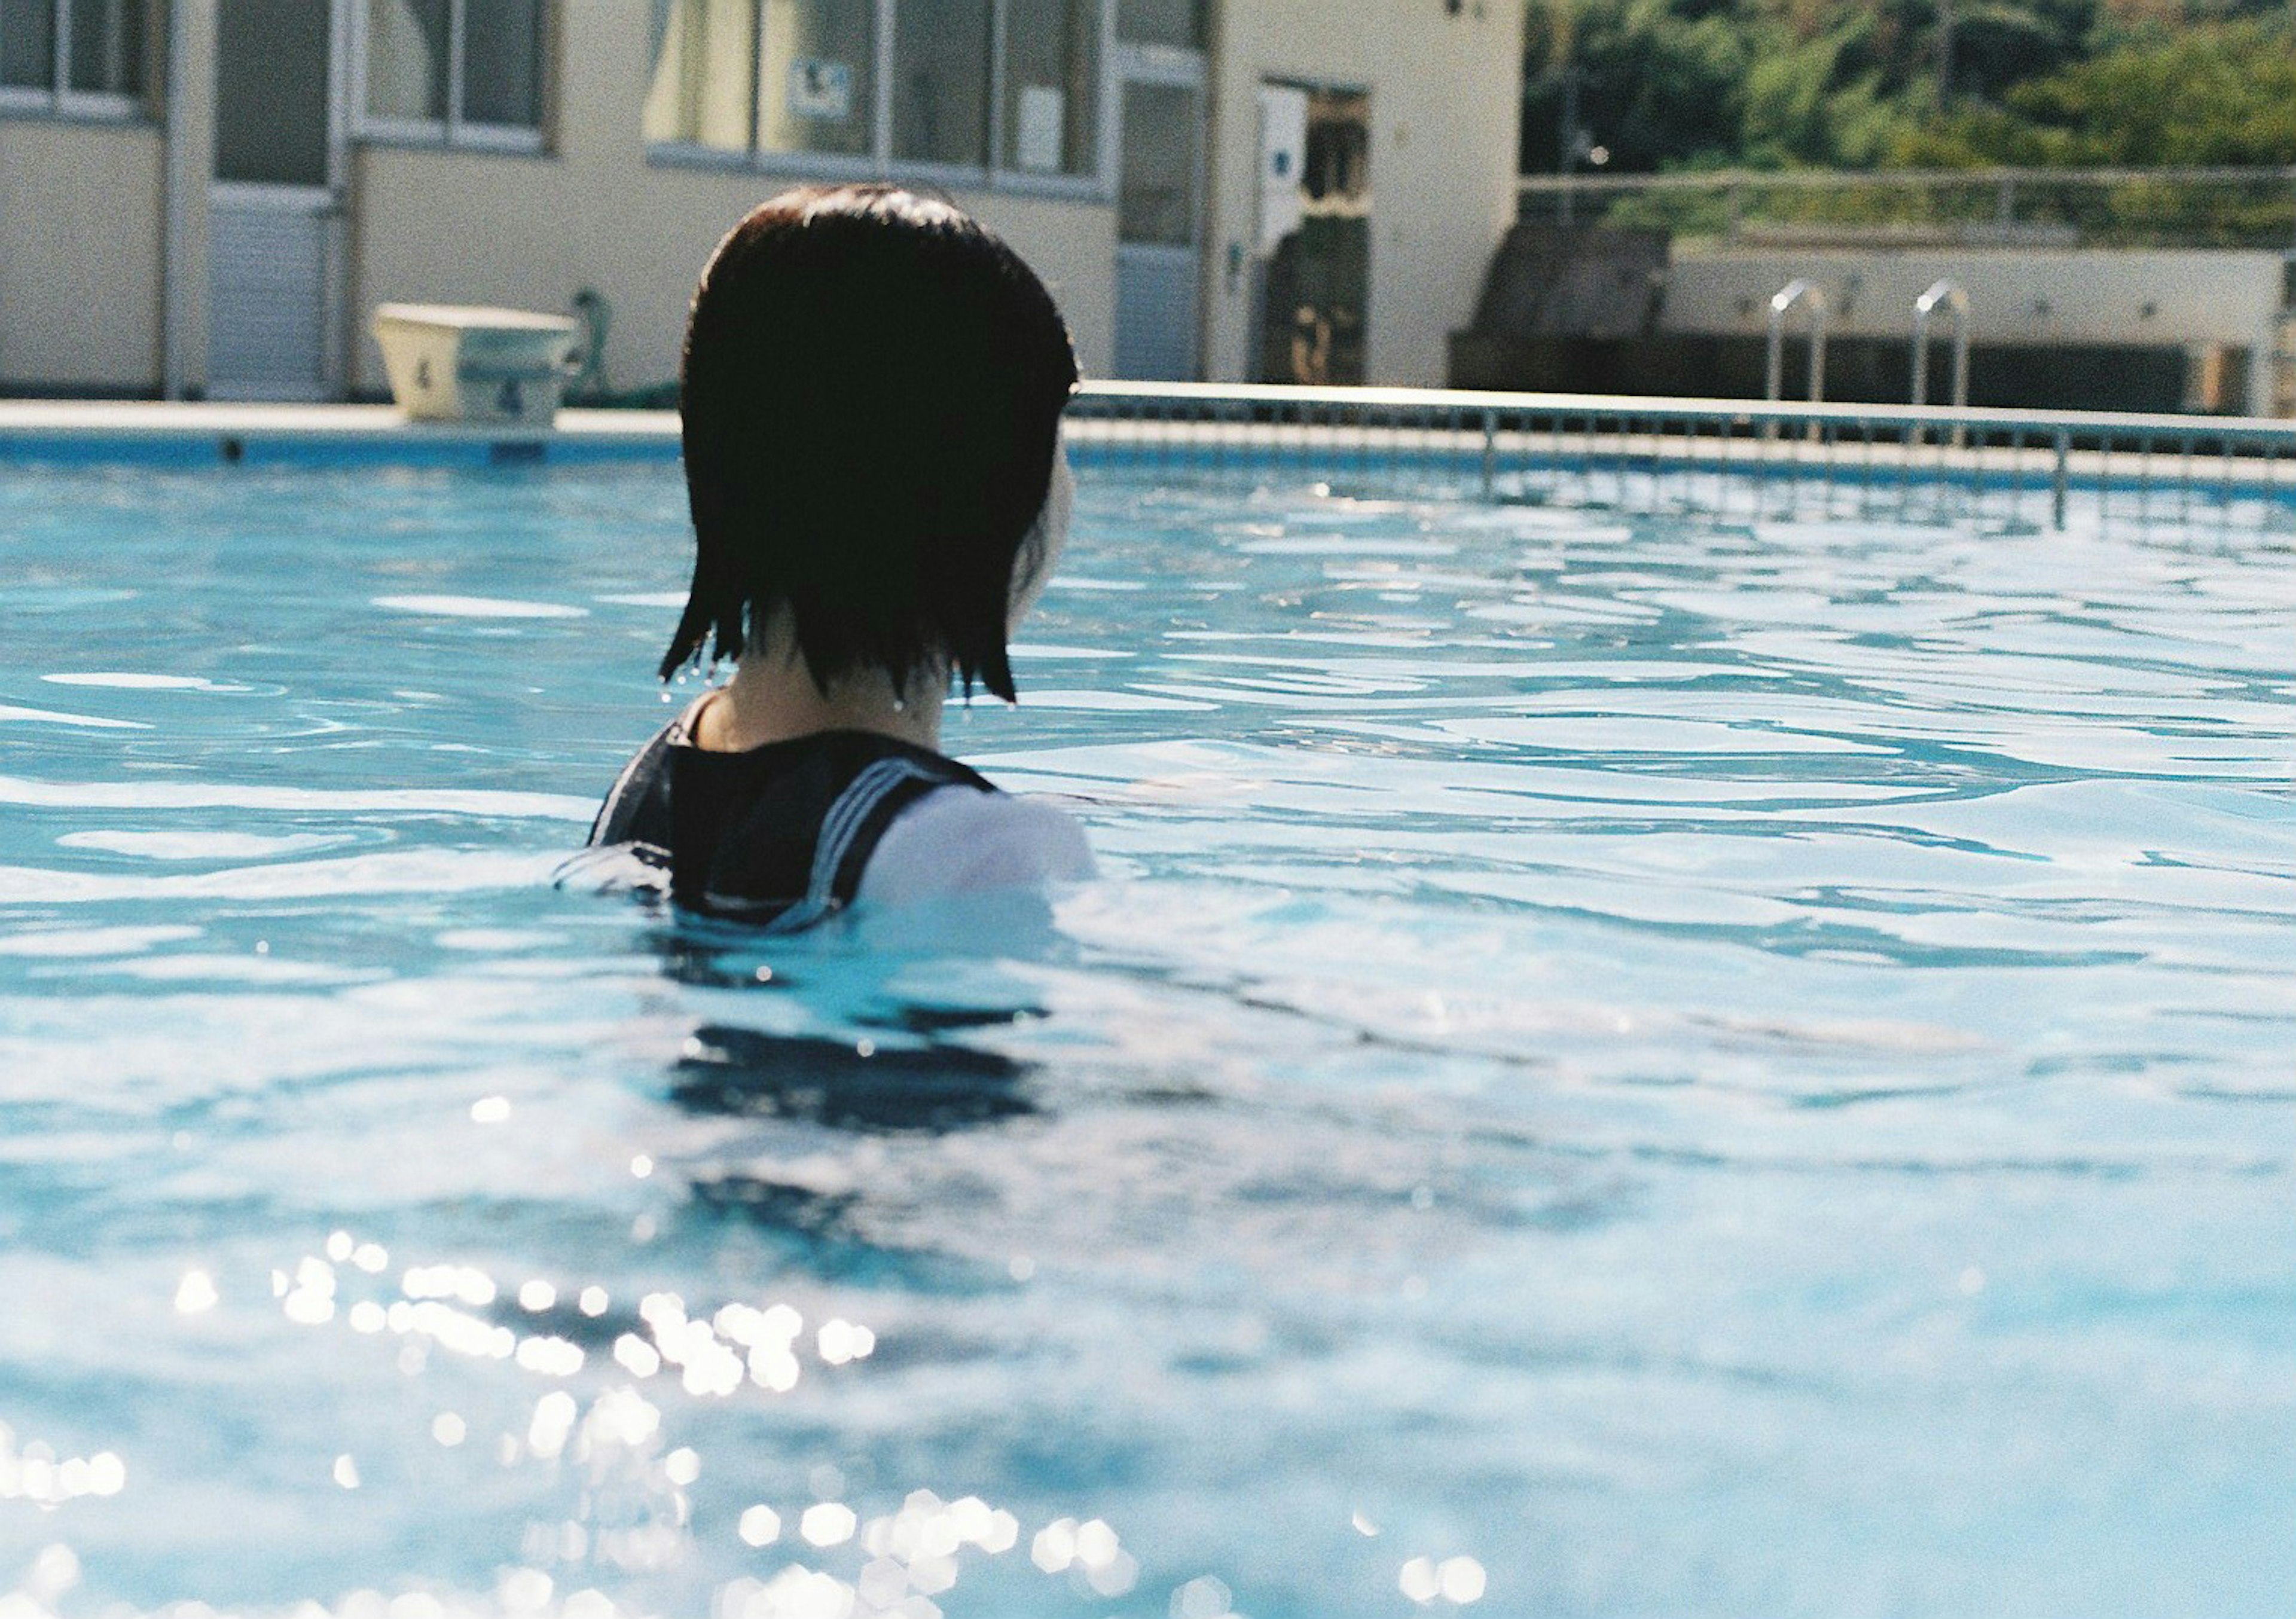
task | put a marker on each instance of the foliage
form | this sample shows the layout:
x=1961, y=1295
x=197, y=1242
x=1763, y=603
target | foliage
x=1772, y=83
x=2224, y=93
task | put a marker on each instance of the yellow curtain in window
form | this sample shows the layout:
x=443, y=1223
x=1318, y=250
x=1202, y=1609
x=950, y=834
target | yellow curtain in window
x=702, y=86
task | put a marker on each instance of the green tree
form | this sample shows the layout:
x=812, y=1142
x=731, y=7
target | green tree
x=1667, y=83
x=2217, y=93
x=1655, y=83
x=2220, y=95
x=1673, y=84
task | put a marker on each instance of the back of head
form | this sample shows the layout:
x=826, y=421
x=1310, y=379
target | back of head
x=872, y=394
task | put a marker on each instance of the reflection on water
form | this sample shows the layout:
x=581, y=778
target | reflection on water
x=1619, y=1066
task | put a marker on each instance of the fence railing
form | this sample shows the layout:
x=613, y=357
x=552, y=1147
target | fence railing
x=2252, y=207
x=1700, y=457
x=1709, y=456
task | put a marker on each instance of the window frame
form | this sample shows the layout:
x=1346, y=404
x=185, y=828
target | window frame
x=60, y=100
x=1097, y=184
x=817, y=165
x=452, y=129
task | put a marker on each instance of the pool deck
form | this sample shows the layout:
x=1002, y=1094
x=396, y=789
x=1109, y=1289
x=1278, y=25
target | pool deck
x=75, y=430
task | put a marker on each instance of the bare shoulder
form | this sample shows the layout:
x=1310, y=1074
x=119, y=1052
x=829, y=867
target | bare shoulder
x=958, y=840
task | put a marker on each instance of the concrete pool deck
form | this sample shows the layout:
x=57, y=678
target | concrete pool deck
x=83, y=429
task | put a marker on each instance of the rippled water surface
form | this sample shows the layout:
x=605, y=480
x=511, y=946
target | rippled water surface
x=1617, y=1066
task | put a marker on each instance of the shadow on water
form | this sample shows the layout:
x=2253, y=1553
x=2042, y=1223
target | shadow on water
x=870, y=1058
x=857, y=1085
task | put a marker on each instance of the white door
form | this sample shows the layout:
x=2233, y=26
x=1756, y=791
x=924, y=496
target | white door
x=274, y=211
x=1159, y=215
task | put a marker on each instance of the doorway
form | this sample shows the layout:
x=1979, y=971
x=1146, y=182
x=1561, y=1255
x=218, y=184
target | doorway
x=1159, y=214
x=1315, y=224
x=275, y=206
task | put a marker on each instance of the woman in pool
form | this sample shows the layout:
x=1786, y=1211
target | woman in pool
x=871, y=398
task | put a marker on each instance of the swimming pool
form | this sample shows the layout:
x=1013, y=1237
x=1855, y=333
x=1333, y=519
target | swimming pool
x=1620, y=1064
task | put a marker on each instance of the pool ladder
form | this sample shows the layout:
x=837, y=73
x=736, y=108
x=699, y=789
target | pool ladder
x=1954, y=297
x=1805, y=291
x=1945, y=292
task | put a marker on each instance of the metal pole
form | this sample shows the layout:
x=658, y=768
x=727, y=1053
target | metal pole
x=2059, y=478
x=183, y=187
x=1570, y=149
x=1945, y=22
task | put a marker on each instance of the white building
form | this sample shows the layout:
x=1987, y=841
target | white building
x=210, y=196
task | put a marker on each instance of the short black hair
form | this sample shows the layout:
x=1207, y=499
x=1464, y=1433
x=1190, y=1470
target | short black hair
x=871, y=392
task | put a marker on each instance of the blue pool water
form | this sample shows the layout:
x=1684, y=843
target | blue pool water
x=1618, y=1066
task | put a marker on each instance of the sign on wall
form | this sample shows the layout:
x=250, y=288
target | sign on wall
x=1282, y=155
x=1044, y=113
x=820, y=89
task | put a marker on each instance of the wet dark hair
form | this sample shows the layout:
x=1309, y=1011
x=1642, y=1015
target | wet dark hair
x=871, y=393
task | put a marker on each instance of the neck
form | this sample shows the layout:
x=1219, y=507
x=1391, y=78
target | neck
x=772, y=698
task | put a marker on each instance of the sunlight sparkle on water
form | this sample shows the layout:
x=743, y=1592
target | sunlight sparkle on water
x=827, y=1523
x=35, y=1473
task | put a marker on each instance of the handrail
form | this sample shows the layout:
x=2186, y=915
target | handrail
x=2251, y=456
x=1469, y=405
x=1552, y=436
x=1954, y=297
x=1825, y=179
x=149, y=421
x=1736, y=186
x=1801, y=290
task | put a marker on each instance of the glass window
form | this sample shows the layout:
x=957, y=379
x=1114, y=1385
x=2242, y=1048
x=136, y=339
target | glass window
x=28, y=45
x=502, y=62
x=820, y=77
x=799, y=78
x=702, y=87
x=1052, y=87
x=271, y=92
x=107, y=46
x=103, y=42
x=941, y=82
x=408, y=58
x=1156, y=195
x=1179, y=22
x=445, y=64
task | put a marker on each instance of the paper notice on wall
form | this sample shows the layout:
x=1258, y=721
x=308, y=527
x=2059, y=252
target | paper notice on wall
x=1042, y=134
x=820, y=89
x=1283, y=154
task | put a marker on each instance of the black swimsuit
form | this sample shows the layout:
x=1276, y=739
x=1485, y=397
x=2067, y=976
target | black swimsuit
x=779, y=834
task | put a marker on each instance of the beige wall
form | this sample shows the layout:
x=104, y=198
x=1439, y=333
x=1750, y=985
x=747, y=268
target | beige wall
x=79, y=255
x=2016, y=295
x=82, y=210
x=1445, y=108
x=439, y=226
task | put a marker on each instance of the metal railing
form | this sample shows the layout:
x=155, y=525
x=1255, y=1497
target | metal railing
x=1955, y=298
x=1708, y=457
x=1802, y=290
x=2179, y=206
x=1700, y=458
